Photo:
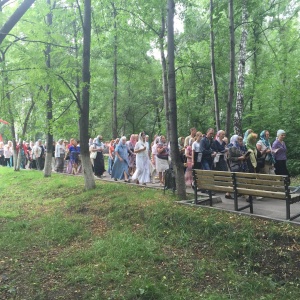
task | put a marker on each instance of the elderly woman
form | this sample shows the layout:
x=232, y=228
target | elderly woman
x=60, y=152
x=251, y=148
x=264, y=147
x=120, y=167
x=131, y=157
x=279, y=151
x=98, y=147
x=142, y=172
x=237, y=154
x=248, y=131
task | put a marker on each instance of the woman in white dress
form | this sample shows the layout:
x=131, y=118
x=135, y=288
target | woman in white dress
x=142, y=172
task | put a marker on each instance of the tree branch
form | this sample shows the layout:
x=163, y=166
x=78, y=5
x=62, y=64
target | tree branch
x=14, y=19
x=71, y=90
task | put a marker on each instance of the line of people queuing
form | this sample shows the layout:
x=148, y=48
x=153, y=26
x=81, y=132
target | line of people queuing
x=136, y=160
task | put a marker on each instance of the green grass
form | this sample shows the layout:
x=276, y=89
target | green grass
x=126, y=242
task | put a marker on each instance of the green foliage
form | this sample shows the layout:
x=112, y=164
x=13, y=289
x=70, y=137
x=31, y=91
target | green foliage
x=271, y=96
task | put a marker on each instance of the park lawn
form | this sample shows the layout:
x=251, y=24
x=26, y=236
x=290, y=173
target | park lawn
x=125, y=242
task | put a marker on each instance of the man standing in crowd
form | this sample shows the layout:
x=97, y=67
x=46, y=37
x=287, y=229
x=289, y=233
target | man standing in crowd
x=191, y=136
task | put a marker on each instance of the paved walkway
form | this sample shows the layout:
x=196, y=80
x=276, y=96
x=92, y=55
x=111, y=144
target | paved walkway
x=266, y=207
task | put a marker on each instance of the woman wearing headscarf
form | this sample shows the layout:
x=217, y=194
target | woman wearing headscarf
x=279, y=151
x=59, y=156
x=142, y=172
x=98, y=147
x=264, y=146
x=248, y=131
x=237, y=154
x=131, y=155
x=251, y=148
x=120, y=167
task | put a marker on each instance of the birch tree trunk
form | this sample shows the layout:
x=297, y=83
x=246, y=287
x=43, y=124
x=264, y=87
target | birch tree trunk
x=232, y=64
x=255, y=69
x=175, y=155
x=115, y=76
x=238, y=115
x=89, y=180
x=213, y=67
x=49, y=105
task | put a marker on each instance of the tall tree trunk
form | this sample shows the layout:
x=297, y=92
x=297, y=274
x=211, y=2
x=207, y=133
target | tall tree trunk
x=255, y=70
x=213, y=67
x=239, y=106
x=14, y=19
x=164, y=72
x=89, y=179
x=175, y=155
x=115, y=84
x=232, y=64
x=49, y=104
x=10, y=112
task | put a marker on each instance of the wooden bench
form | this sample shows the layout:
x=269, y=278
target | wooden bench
x=249, y=184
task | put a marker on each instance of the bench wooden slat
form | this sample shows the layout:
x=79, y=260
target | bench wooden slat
x=216, y=173
x=266, y=194
x=260, y=182
x=220, y=178
x=262, y=187
x=219, y=188
x=260, y=176
x=212, y=182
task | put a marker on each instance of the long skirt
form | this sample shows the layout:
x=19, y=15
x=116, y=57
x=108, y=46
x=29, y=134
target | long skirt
x=188, y=176
x=119, y=168
x=280, y=168
x=161, y=165
x=221, y=165
x=60, y=161
x=142, y=172
x=99, y=168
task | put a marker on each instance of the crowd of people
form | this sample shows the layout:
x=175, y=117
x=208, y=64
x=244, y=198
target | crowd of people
x=249, y=153
x=141, y=162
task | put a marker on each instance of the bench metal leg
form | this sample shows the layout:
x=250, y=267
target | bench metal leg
x=236, y=206
x=251, y=204
x=210, y=198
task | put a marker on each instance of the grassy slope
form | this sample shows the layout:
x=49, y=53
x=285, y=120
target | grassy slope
x=126, y=242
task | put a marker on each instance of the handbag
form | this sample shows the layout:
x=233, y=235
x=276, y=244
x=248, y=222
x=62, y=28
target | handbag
x=93, y=154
